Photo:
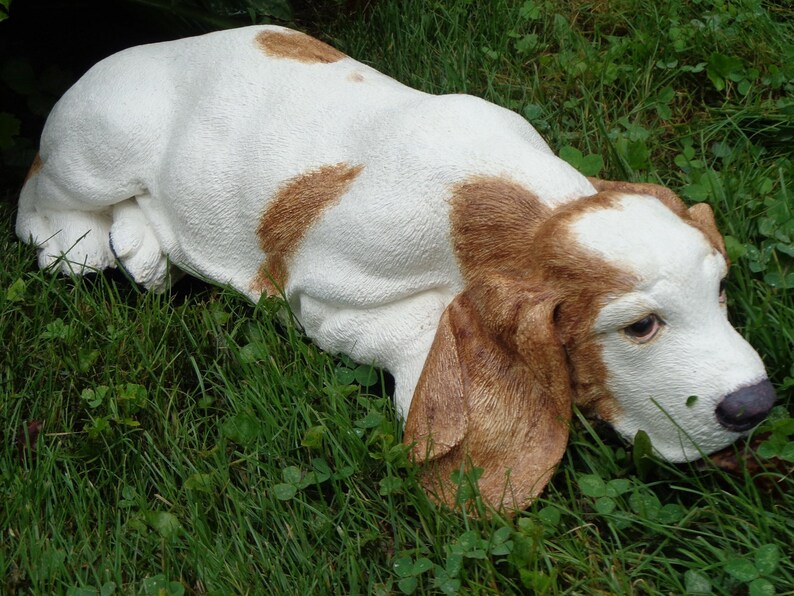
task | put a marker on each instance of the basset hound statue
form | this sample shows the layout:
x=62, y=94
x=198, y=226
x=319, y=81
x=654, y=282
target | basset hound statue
x=437, y=237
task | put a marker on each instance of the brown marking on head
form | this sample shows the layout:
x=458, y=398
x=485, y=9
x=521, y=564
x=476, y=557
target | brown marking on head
x=493, y=224
x=699, y=216
x=294, y=45
x=514, y=349
x=34, y=167
x=499, y=226
x=585, y=282
x=296, y=206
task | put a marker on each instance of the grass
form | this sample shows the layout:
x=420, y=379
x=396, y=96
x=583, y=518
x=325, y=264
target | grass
x=193, y=443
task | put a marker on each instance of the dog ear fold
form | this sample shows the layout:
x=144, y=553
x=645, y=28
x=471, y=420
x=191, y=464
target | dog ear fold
x=703, y=216
x=437, y=417
x=495, y=394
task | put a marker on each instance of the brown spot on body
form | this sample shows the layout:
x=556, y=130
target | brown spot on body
x=294, y=45
x=34, y=167
x=355, y=77
x=296, y=206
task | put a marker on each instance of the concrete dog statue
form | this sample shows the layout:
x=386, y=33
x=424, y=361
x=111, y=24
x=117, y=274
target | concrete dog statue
x=435, y=236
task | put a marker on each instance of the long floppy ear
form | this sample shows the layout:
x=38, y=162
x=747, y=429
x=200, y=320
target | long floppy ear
x=494, y=396
x=700, y=215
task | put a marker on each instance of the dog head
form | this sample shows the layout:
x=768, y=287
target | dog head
x=614, y=303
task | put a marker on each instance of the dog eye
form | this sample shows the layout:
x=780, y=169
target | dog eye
x=723, y=294
x=645, y=329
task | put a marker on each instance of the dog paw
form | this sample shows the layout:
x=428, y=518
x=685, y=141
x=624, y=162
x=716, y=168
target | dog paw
x=76, y=242
x=137, y=249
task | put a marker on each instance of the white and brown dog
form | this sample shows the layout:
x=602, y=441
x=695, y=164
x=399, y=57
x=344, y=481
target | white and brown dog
x=435, y=236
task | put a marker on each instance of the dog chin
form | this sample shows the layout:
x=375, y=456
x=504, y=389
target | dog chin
x=683, y=453
x=684, y=449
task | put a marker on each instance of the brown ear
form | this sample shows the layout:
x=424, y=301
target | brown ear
x=703, y=216
x=437, y=416
x=496, y=400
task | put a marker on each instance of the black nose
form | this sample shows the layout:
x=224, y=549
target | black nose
x=746, y=407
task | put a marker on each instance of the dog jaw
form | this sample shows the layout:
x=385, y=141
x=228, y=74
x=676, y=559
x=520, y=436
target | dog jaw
x=670, y=385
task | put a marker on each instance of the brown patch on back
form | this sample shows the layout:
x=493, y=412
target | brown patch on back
x=699, y=216
x=355, y=77
x=34, y=167
x=294, y=45
x=297, y=205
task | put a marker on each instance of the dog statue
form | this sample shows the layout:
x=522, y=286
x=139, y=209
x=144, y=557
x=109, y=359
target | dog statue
x=437, y=237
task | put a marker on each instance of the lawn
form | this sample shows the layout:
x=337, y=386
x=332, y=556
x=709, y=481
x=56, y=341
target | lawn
x=194, y=443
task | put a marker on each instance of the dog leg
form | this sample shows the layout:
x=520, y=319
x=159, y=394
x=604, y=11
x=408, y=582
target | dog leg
x=137, y=248
x=396, y=336
x=75, y=241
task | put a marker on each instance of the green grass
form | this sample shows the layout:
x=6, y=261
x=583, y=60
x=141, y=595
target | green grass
x=191, y=442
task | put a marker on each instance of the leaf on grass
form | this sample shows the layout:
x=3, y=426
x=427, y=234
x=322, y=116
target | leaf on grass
x=159, y=585
x=200, y=482
x=345, y=375
x=164, y=523
x=291, y=475
x=605, y=505
x=549, y=516
x=741, y=569
x=767, y=558
x=408, y=585
x=132, y=397
x=344, y=472
x=242, y=428
x=617, y=487
x=696, y=582
x=16, y=291
x=284, y=491
x=671, y=513
x=366, y=376
x=592, y=485
x=313, y=437
x=94, y=397
x=403, y=566
x=371, y=420
x=761, y=587
x=390, y=485
x=422, y=565
x=645, y=504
